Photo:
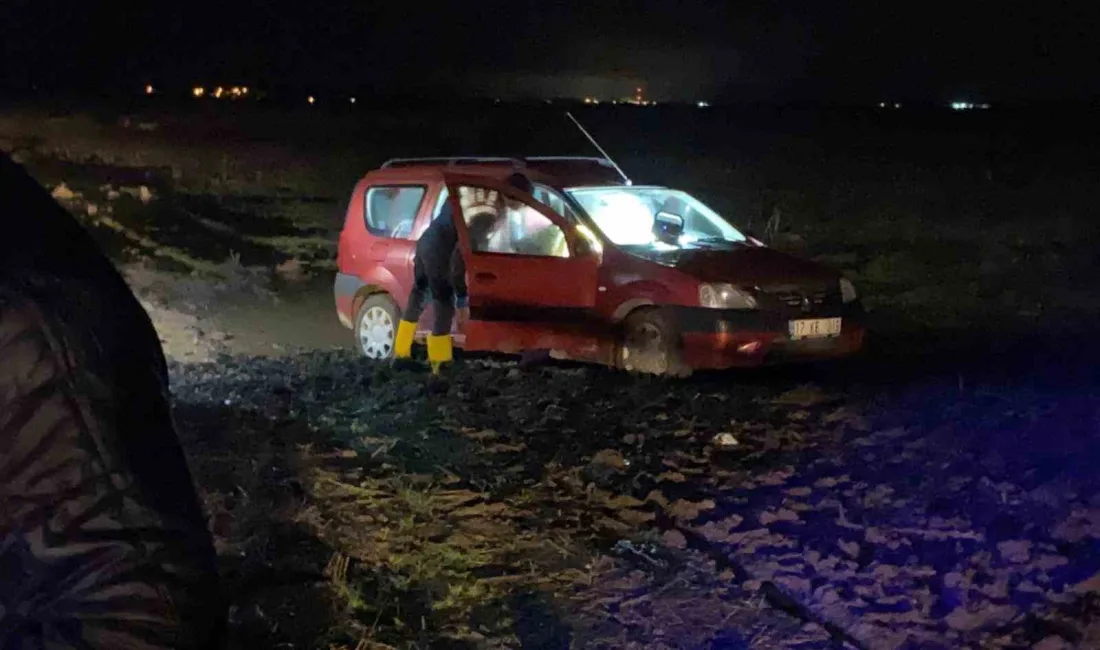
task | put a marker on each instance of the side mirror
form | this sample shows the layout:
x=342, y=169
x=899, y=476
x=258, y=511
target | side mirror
x=667, y=225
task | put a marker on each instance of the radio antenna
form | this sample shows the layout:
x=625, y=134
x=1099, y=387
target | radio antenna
x=597, y=145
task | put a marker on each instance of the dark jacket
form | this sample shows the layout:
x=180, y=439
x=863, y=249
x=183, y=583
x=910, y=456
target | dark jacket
x=103, y=543
x=439, y=252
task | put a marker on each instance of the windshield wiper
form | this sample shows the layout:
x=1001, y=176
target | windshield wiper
x=718, y=240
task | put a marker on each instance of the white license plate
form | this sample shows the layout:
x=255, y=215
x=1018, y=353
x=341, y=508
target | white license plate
x=815, y=328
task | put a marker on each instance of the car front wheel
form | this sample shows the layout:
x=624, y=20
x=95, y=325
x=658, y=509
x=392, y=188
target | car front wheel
x=376, y=327
x=650, y=344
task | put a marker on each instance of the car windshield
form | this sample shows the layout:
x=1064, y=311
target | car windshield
x=627, y=215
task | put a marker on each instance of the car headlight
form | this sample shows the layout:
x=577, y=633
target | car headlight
x=725, y=296
x=847, y=290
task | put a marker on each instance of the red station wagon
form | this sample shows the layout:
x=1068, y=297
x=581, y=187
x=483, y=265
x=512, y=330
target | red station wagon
x=590, y=267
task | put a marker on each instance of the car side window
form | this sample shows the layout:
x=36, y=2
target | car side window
x=390, y=210
x=497, y=224
x=554, y=201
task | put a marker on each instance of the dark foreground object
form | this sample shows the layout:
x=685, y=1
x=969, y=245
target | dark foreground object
x=102, y=539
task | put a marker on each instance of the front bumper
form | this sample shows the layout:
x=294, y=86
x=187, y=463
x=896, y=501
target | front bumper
x=720, y=338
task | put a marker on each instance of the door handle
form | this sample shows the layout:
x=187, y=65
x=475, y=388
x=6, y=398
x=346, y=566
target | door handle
x=485, y=277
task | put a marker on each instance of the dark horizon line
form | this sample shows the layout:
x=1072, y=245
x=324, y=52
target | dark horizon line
x=365, y=92
x=292, y=96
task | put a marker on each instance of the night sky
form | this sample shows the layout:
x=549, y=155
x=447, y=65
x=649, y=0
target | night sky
x=678, y=50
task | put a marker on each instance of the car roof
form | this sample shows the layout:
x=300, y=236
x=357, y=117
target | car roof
x=556, y=171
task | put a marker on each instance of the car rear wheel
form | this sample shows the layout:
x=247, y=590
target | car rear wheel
x=650, y=344
x=376, y=327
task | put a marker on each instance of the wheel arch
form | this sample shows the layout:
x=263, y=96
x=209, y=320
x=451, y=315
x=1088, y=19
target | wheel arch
x=628, y=307
x=639, y=294
x=366, y=291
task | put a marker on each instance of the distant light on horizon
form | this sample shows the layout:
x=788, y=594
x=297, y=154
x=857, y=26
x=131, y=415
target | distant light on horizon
x=311, y=99
x=702, y=104
x=231, y=92
x=352, y=100
x=966, y=106
x=149, y=89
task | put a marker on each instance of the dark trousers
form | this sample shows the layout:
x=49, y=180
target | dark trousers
x=431, y=281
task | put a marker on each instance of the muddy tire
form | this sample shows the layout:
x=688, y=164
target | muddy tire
x=376, y=327
x=650, y=344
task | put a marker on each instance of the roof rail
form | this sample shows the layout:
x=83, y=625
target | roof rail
x=596, y=159
x=451, y=161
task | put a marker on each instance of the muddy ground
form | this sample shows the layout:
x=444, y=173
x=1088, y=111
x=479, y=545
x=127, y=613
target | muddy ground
x=938, y=492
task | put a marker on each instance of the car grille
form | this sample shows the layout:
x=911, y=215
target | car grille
x=794, y=299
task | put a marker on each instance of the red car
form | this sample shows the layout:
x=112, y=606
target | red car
x=591, y=267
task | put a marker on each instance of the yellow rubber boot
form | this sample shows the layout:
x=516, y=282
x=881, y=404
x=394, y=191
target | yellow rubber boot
x=439, y=351
x=403, y=340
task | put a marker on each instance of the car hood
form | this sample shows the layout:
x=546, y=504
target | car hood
x=745, y=266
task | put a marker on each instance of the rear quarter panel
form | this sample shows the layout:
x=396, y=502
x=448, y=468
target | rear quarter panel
x=391, y=274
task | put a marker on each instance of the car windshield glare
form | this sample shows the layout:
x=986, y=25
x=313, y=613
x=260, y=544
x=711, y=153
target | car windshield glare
x=628, y=215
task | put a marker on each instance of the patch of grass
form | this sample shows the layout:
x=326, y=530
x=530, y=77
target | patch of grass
x=155, y=249
x=456, y=548
x=307, y=247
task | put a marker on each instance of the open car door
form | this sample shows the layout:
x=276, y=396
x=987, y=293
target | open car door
x=532, y=280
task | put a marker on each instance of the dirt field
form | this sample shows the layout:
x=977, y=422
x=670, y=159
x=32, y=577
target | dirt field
x=939, y=492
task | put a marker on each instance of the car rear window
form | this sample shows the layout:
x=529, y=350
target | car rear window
x=391, y=210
